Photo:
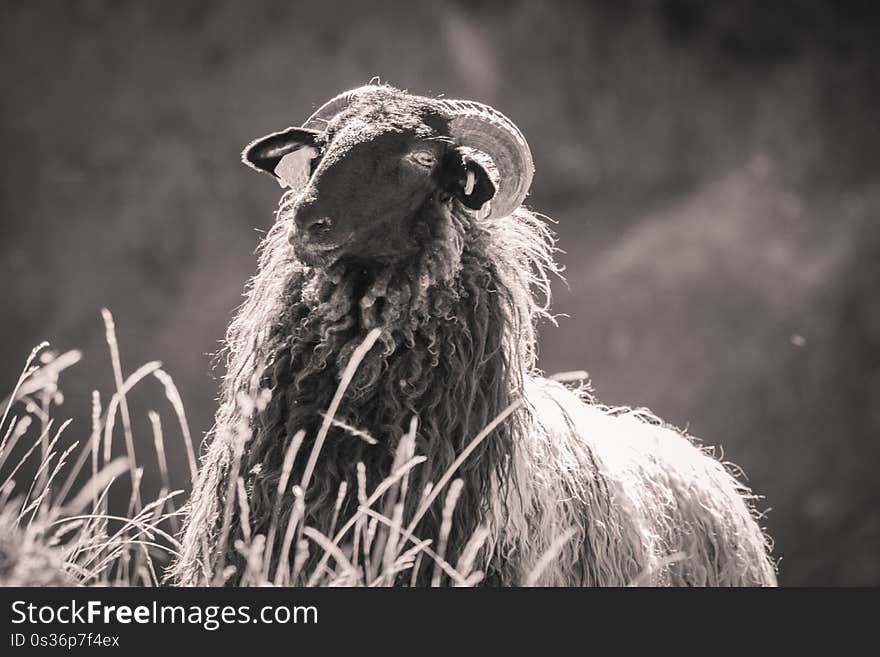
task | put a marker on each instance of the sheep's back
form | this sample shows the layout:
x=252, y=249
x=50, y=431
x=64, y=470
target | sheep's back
x=645, y=503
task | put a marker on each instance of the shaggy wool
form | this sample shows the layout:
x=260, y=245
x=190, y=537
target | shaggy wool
x=636, y=501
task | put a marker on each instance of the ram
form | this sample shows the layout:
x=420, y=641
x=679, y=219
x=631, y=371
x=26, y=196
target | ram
x=403, y=219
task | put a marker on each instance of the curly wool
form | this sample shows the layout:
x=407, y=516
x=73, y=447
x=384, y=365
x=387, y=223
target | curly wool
x=644, y=505
x=457, y=346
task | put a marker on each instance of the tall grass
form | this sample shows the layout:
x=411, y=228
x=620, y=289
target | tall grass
x=56, y=521
x=56, y=527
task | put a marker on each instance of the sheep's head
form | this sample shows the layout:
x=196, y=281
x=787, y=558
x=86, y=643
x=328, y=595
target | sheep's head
x=372, y=162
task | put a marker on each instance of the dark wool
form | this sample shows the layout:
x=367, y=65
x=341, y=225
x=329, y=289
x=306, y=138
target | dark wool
x=457, y=341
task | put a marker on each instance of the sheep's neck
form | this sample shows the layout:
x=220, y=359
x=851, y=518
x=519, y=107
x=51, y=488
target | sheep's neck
x=441, y=358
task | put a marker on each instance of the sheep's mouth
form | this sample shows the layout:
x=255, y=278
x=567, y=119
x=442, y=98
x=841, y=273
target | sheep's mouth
x=318, y=247
x=317, y=254
x=318, y=250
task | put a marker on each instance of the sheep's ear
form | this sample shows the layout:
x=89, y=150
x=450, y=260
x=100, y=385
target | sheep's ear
x=265, y=153
x=477, y=178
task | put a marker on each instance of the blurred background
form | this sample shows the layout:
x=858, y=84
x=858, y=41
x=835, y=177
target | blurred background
x=714, y=169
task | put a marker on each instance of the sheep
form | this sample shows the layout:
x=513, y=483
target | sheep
x=403, y=214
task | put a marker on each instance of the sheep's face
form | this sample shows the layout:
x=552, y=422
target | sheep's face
x=366, y=194
x=365, y=187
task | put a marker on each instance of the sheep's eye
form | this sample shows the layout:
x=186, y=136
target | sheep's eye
x=423, y=158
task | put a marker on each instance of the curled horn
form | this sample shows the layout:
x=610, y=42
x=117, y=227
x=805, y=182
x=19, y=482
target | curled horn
x=324, y=114
x=486, y=129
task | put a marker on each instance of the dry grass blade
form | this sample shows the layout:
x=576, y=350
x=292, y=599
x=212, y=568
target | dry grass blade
x=25, y=373
x=47, y=487
x=549, y=555
x=416, y=567
x=238, y=449
x=17, y=428
x=45, y=406
x=283, y=567
x=6, y=493
x=98, y=482
x=173, y=395
x=27, y=454
x=405, y=451
x=95, y=439
x=452, y=496
x=152, y=580
x=74, y=472
x=244, y=510
x=117, y=401
x=299, y=558
x=35, y=483
x=340, y=498
x=390, y=551
x=369, y=535
x=159, y=446
x=47, y=374
x=9, y=431
x=110, y=327
x=471, y=550
x=286, y=469
x=357, y=433
x=359, y=529
x=253, y=554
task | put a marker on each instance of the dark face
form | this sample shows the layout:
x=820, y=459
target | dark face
x=359, y=191
x=362, y=199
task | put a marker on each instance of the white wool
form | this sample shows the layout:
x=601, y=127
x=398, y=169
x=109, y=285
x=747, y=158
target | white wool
x=645, y=504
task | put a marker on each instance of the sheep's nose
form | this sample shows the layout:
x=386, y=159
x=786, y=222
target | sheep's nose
x=312, y=223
